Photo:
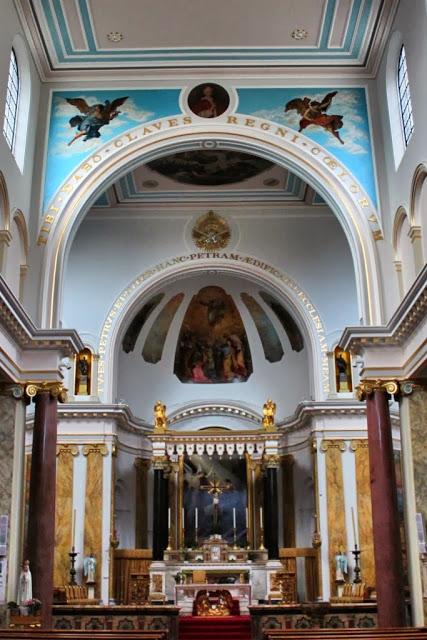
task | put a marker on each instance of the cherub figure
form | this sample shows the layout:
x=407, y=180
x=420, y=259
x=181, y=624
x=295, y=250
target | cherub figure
x=269, y=412
x=160, y=420
x=314, y=112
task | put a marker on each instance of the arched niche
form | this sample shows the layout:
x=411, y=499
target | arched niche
x=293, y=151
x=4, y=221
x=142, y=288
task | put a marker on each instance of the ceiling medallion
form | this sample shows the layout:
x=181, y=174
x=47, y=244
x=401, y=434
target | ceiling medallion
x=299, y=34
x=115, y=36
x=211, y=232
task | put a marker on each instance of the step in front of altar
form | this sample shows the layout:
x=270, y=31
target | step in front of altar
x=185, y=594
x=211, y=628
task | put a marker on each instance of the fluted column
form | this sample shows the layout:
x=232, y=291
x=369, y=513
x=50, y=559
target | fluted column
x=271, y=516
x=160, y=509
x=41, y=514
x=385, y=519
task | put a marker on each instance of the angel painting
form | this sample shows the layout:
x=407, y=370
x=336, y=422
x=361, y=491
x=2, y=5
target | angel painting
x=94, y=116
x=314, y=112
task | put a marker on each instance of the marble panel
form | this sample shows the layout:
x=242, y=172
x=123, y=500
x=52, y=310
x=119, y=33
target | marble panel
x=337, y=532
x=63, y=513
x=364, y=510
x=93, y=507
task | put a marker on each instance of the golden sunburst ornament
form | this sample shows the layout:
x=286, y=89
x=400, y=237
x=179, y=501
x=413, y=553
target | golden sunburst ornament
x=211, y=232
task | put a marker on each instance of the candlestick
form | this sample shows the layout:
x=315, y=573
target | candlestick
x=356, y=552
x=247, y=518
x=260, y=517
x=196, y=518
x=234, y=517
x=73, y=555
x=354, y=528
x=73, y=538
x=169, y=518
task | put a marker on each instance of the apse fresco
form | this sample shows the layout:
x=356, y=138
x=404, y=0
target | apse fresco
x=135, y=327
x=286, y=320
x=214, y=486
x=206, y=167
x=155, y=341
x=212, y=344
x=270, y=341
x=83, y=120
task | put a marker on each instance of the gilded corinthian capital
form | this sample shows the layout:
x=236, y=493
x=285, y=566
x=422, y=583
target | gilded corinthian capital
x=55, y=389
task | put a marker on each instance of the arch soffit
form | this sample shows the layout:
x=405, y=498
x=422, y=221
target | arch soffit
x=21, y=223
x=4, y=204
x=418, y=180
x=308, y=160
x=286, y=289
x=399, y=218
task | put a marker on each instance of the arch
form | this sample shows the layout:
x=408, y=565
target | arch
x=294, y=151
x=403, y=247
x=21, y=225
x=4, y=204
x=24, y=105
x=141, y=288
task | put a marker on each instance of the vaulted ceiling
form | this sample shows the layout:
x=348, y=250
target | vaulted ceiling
x=96, y=35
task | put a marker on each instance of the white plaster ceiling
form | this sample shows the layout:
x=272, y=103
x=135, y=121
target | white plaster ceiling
x=94, y=35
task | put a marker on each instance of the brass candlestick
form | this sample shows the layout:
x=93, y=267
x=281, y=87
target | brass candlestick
x=169, y=547
x=235, y=538
x=356, y=552
x=73, y=555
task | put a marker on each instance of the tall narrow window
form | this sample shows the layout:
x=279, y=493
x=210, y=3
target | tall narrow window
x=405, y=97
x=12, y=97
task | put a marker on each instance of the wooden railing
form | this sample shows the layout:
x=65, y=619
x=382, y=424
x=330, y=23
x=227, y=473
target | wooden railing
x=288, y=557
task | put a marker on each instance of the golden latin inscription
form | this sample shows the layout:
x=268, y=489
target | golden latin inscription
x=302, y=144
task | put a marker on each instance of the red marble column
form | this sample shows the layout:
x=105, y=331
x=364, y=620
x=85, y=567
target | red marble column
x=41, y=515
x=385, y=520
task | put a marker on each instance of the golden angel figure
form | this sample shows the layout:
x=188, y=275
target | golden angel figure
x=160, y=420
x=269, y=412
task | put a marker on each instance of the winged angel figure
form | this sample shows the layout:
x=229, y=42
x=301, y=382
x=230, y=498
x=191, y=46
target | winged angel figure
x=314, y=112
x=94, y=116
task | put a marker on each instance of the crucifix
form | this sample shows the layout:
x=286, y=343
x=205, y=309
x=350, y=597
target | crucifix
x=215, y=488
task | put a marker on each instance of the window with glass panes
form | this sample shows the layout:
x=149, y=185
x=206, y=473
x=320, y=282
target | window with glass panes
x=12, y=96
x=405, y=97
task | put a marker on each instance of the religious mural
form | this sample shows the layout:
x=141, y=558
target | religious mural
x=214, y=498
x=210, y=168
x=270, y=341
x=82, y=121
x=212, y=344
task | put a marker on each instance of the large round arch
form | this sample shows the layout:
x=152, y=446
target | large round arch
x=296, y=152
x=144, y=286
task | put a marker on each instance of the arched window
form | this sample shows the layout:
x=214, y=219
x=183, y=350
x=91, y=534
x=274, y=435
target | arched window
x=404, y=97
x=12, y=99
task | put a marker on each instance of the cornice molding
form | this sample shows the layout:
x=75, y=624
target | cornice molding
x=407, y=317
x=24, y=332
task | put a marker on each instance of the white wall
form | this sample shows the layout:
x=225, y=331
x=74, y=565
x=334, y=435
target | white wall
x=19, y=183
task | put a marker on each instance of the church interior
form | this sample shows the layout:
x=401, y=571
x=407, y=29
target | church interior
x=213, y=332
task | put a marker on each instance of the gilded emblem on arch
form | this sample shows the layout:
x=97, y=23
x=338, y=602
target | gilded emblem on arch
x=211, y=232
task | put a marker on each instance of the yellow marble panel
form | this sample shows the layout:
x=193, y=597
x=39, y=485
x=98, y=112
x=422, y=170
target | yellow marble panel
x=364, y=510
x=337, y=532
x=63, y=513
x=93, y=507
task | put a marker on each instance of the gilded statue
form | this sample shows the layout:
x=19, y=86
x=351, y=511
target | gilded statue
x=269, y=412
x=160, y=420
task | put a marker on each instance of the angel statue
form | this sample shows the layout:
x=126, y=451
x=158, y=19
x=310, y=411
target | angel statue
x=268, y=412
x=160, y=420
x=94, y=116
x=314, y=112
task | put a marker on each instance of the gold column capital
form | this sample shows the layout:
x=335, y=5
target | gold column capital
x=359, y=444
x=161, y=462
x=55, y=389
x=142, y=463
x=70, y=449
x=333, y=444
x=368, y=387
x=95, y=448
x=271, y=461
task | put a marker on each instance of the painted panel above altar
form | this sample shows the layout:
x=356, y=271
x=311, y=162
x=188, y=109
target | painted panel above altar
x=82, y=121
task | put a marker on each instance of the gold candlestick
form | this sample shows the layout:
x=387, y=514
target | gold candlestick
x=261, y=539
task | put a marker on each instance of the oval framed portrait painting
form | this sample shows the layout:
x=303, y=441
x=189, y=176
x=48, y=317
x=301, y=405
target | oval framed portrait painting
x=208, y=100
